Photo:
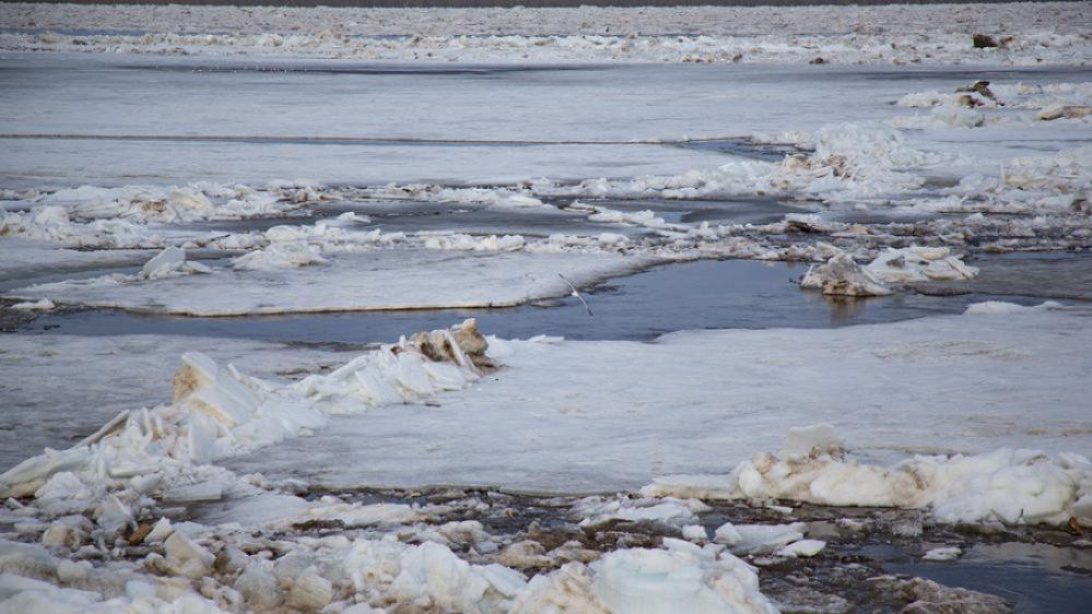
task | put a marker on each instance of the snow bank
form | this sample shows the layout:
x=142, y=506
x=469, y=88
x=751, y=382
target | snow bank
x=1010, y=486
x=104, y=490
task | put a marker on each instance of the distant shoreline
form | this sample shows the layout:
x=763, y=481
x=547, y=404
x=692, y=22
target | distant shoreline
x=463, y=4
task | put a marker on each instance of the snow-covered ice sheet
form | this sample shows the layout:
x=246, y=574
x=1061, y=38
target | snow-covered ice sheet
x=553, y=122
x=606, y=415
x=381, y=279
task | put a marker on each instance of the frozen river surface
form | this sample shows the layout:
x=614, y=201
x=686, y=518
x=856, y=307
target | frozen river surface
x=286, y=215
x=354, y=123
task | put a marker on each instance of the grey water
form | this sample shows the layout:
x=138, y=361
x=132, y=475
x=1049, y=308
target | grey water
x=1035, y=578
x=704, y=294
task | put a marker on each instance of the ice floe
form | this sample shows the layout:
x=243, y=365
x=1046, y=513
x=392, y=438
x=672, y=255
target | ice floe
x=357, y=280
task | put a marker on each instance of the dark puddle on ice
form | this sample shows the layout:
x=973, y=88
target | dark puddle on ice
x=696, y=295
x=1038, y=578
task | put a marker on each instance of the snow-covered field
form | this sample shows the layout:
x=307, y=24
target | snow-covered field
x=201, y=162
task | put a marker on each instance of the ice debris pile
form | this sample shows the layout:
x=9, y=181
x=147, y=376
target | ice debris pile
x=107, y=500
x=219, y=412
x=1006, y=485
x=124, y=218
x=965, y=106
x=841, y=275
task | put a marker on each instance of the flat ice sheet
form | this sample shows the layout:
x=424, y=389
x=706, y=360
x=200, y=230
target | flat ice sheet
x=586, y=416
x=537, y=121
x=383, y=279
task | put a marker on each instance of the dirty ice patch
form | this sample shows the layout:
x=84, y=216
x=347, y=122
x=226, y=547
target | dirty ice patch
x=382, y=279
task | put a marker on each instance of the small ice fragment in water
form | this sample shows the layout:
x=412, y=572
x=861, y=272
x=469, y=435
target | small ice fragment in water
x=946, y=553
x=803, y=548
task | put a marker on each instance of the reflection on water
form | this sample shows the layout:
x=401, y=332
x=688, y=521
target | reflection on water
x=1037, y=578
